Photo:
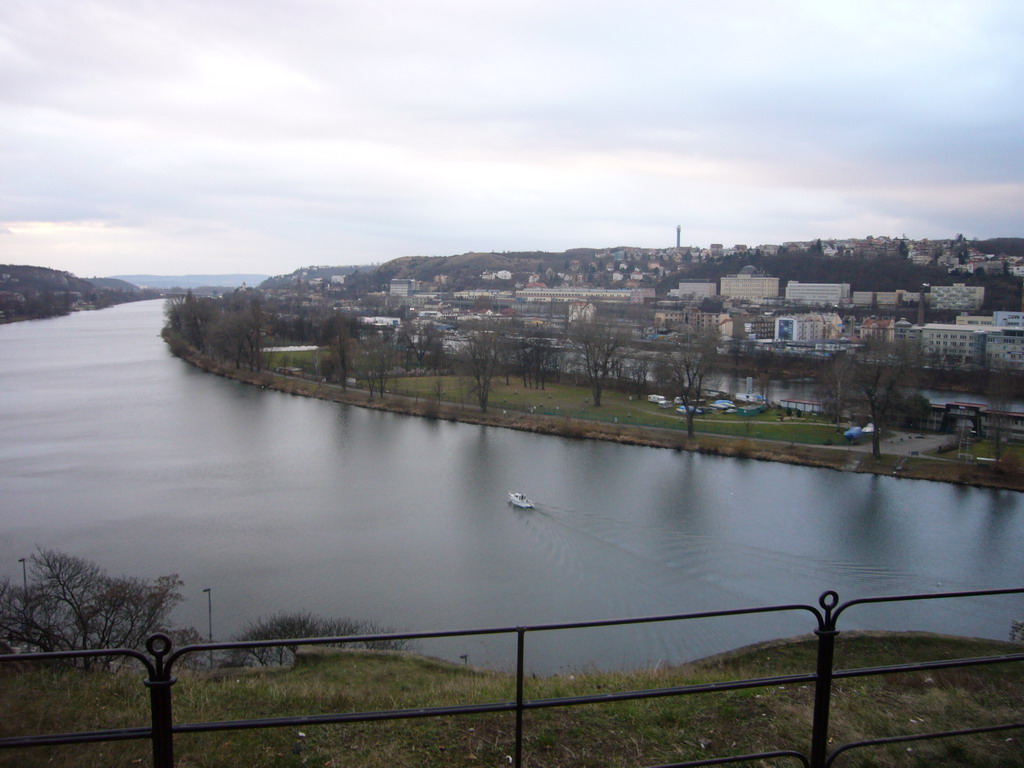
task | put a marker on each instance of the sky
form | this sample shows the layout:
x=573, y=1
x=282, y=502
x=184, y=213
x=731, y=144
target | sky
x=259, y=136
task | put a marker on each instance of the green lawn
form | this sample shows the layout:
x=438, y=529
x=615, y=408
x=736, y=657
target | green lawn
x=575, y=401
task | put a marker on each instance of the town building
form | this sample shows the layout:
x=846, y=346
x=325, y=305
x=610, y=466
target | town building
x=817, y=293
x=402, y=287
x=1004, y=348
x=949, y=344
x=749, y=285
x=811, y=326
x=553, y=295
x=878, y=329
x=1008, y=319
x=694, y=290
x=957, y=296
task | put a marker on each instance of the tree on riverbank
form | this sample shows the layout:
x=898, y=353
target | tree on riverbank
x=600, y=347
x=685, y=365
x=880, y=373
x=481, y=355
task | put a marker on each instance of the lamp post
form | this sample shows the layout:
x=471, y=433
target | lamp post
x=24, y=575
x=209, y=617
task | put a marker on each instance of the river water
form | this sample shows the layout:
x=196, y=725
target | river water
x=116, y=451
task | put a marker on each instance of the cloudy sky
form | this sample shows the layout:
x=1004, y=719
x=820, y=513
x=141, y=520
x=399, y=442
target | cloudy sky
x=260, y=136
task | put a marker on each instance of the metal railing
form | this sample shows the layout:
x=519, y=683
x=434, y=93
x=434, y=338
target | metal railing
x=160, y=659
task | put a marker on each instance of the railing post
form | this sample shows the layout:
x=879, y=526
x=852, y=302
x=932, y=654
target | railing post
x=520, y=655
x=823, y=680
x=161, y=719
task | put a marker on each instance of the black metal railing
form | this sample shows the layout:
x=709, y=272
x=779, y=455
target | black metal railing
x=160, y=660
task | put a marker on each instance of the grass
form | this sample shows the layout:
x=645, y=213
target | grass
x=652, y=731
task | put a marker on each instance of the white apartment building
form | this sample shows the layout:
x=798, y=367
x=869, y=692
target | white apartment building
x=748, y=285
x=694, y=290
x=817, y=293
x=1005, y=347
x=1008, y=319
x=813, y=326
x=949, y=344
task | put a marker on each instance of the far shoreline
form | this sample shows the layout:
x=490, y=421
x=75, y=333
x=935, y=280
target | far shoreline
x=838, y=459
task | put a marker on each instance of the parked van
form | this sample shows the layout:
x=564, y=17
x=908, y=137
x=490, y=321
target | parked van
x=655, y=398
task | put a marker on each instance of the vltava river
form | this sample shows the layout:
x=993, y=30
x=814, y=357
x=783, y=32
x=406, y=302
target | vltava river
x=113, y=450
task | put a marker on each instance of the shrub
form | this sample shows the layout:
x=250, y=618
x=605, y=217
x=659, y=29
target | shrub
x=303, y=625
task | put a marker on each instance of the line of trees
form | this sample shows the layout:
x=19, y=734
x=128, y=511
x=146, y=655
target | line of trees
x=231, y=328
x=595, y=352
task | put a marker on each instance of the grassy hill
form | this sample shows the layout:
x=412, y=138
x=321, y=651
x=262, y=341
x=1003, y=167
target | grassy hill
x=632, y=733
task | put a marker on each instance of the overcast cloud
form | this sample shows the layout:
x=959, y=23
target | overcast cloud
x=259, y=136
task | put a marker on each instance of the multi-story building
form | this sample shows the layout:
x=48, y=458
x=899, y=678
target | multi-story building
x=957, y=296
x=694, y=290
x=402, y=287
x=1004, y=347
x=551, y=295
x=812, y=326
x=949, y=344
x=670, y=319
x=749, y=285
x=747, y=327
x=818, y=293
x=975, y=320
x=878, y=329
x=1008, y=319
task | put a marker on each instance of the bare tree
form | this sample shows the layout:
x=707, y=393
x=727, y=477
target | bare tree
x=379, y=358
x=837, y=383
x=1000, y=389
x=340, y=334
x=880, y=371
x=599, y=347
x=72, y=604
x=481, y=356
x=685, y=365
x=422, y=340
x=636, y=370
x=535, y=358
x=302, y=625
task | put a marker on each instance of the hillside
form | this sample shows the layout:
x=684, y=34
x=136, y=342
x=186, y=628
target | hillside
x=865, y=270
x=31, y=292
x=651, y=731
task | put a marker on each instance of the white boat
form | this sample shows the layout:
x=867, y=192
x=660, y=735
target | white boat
x=517, y=499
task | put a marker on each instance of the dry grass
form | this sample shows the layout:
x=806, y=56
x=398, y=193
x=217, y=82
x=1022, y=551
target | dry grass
x=646, y=732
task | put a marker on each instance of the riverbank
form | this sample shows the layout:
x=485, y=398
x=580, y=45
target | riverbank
x=898, y=463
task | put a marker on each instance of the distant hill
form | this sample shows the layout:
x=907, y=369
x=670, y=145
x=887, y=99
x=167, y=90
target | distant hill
x=191, y=281
x=30, y=292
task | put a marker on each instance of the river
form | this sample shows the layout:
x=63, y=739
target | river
x=116, y=451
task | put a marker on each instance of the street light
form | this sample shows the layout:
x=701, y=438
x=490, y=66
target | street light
x=24, y=576
x=209, y=616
